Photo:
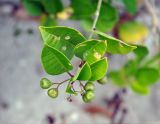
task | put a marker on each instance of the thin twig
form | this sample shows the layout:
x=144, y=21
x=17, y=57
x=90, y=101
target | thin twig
x=58, y=84
x=152, y=12
x=155, y=21
x=71, y=75
x=81, y=84
x=96, y=18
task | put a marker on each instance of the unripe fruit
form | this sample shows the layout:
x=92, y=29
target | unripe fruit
x=53, y=92
x=133, y=32
x=89, y=86
x=88, y=96
x=85, y=99
x=103, y=80
x=45, y=83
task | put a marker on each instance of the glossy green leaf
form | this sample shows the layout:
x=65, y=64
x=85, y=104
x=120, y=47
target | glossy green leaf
x=63, y=39
x=33, y=8
x=136, y=87
x=99, y=69
x=54, y=62
x=52, y=6
x=147, y=76
x=84, y=73
x=131, y=6
x=115, y=46
x=82, y=8
x=141, y=52
x=69, y=89
x=118, y=78
x=91, y=50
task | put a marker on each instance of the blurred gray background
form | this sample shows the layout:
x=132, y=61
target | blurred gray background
x=23, y=102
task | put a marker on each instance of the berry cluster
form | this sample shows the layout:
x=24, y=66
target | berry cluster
x=87, y=90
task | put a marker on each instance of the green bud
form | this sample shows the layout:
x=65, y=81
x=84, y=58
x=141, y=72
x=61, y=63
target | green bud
x=88, y=96
x=45, y=83
x=103, y=80
x=53, y=92
x=89, y=86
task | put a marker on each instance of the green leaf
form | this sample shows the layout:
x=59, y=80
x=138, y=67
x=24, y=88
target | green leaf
x=133, y=32
x=54, y=62
x=82, y=8
x=130, y=67
x=87, y=24
x=47, y=21
x=147, y=76
x=33, y=8
x=118, y=78
x=63, y=39
x=52, y=6
x=155, y=60
x=115, y=46
x=69, y=89
x=136, y=87
x=131, y=6
x=141, y=52
x=99, y=69
x=106, y=21
x=91, y=50
x=84, y=73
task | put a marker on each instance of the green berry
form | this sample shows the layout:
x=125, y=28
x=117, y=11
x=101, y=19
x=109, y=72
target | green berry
x=85, y=99
x=103, y=80
x=89, y=86
x=45, y=83
x=53, y=92
x=88, y=96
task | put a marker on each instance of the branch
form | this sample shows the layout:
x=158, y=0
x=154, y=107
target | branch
x=155, y=21
x=152, y=12
x=96, y=18
x=71, y=75
x=58, y=84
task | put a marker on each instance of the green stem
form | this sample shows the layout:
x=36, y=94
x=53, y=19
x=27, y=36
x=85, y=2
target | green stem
x=96, y=18
x=156, y=57
x=58, y=84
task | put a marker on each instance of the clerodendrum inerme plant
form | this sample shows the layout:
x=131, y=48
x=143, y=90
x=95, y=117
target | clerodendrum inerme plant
x=61, y=44
x=139, y=73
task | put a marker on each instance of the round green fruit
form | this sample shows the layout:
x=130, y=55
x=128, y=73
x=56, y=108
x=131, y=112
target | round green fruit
x=103, y=80
x=53, y=92
x=45, y=83
x=88, y=96
x=85, y=99
x=89, y=86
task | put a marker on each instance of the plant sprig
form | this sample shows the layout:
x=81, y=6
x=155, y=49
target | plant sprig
x=139, y=74
x=61, y=44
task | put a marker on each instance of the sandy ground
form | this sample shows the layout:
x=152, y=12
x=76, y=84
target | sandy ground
x=20, y=73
